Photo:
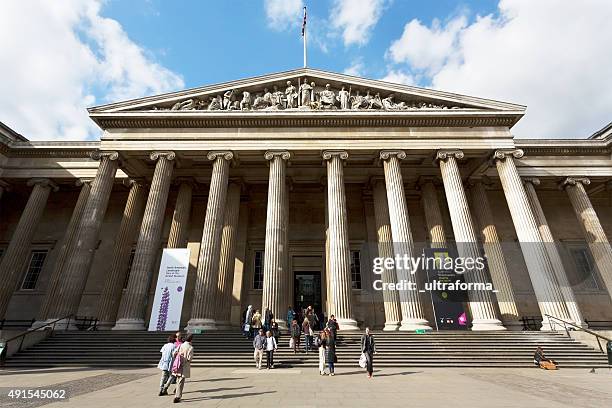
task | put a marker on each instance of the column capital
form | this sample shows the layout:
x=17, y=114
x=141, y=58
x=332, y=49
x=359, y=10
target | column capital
x=532, y=180
x=83, y=180
x=375, y=179
x=328, y=154
x=572, y=181
x=445, y=154
x=502, y=154
x=283, y=154
x=98, y=155
x=223, y=154
x=45, y=182
x=185, y=180
x=168, y=155
x=131, y=181
x=387, y=154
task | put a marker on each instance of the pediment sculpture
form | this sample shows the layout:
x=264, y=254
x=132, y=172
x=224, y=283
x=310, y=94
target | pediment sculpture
x=305, y=95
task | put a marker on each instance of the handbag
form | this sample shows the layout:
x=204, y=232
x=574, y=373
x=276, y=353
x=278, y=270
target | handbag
x=291, y=343
x=247, y=327
x=363, y=360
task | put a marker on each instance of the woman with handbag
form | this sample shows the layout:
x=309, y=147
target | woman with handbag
x=181, y=368
x=296, y=332
x=322, y=343
x=368, y=348
x=331, y=354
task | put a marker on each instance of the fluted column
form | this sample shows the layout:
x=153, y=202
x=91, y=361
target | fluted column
x=16, y=254
x=591, y=227
x=275, y=254
x=433, y=215
x=391, y=300
x=132, y=309
x=4, y=187
x=484, y=314
x=227, y=257
x=67, y=242
x=339, y=249
x=541, y=271
x=403, y=244
x=80, y=255
x=180, y=217
x=110, y=298
x=495, y=256
x=553, y=253
x=205, y=292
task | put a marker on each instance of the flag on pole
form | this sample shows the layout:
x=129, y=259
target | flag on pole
x=304, y=23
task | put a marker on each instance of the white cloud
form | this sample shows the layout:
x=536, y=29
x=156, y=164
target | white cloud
x=356, y=19
x=356, y=68
x=399, y=77
x=53, y=70
x=552, y=56
x=284, y=14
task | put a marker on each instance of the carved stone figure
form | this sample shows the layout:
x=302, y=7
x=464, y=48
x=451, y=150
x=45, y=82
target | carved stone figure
x=259, y=102
x=359, y=102
x=327, y=98
x=291, y=96
x=228, y=99
x=245, y=103
x=344, y=97
x=306, y=93
x=214, y=103
x=278, y=98
x=375, y=103
x=267, y=97
x=189, y=104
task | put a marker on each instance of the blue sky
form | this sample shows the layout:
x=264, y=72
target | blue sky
x=551, y=55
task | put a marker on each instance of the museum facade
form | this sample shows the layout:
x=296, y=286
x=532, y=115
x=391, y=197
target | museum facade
x=285, y=188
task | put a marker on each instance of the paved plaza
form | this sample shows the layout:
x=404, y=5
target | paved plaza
x=401, y=387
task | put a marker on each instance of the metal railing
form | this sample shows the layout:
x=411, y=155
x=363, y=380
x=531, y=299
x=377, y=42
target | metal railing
x=23, y=335
x=552, y=320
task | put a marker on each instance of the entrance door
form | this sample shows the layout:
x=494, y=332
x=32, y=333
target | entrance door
x=307, y=291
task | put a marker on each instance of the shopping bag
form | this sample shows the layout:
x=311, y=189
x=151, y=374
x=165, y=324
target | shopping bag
x=363, y=360
x=291, y=343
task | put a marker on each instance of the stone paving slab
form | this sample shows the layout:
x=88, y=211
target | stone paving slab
x=231, y=387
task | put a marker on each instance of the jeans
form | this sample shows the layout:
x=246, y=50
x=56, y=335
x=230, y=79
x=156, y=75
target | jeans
x=308, y=342
x=331, y=366
x=269, y=358
x=164, y=379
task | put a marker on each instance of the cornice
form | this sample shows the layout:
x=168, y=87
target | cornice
x=53, y=149
x=442, y=118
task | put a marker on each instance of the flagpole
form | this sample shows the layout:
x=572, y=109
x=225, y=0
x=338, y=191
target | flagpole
x=304, y=35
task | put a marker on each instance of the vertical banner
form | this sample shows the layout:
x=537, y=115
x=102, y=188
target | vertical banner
x=447, y=304
x=170, y=290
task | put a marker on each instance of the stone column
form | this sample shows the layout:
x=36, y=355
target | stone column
x=13, y=260
x=541, y=271
x=495, y=256
x=132, y=310
x=339, y=249
x=391, y=300
x=227, y=257
x=205, y=293
x=79, y=258
x=110, y=298
x=180, y=217
x=591, y=227
x=67, y=242
x=403, y=244
x=482, y=307
x=4, y=186
x=275, y=253
x=433, y=215
x=553, y=252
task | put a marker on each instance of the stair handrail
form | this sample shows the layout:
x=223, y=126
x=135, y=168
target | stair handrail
x=598, y=336
x=23, y=335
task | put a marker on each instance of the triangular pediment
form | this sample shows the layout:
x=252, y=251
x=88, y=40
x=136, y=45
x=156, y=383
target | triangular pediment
x=306, y=90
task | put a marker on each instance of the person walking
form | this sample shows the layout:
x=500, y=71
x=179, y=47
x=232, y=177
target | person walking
x=307, y=334
x=296, y=333
x=183, y=368
x=178, y=341
x=331, y=354
x=165, y=363
x=270, y=349
x=246, y=326
x=290, y=315
x=332, y=326
x=259, y=343
x=322, y=344
x=268, y=316
x=275, y=331
x=368, y=348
